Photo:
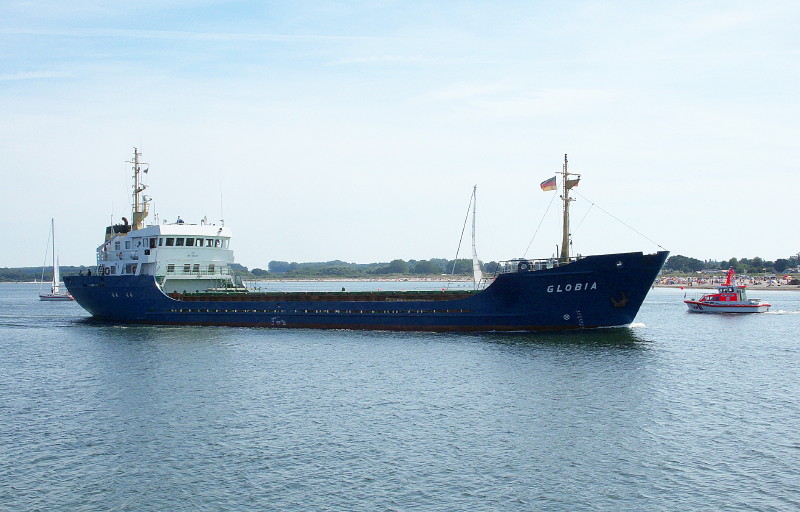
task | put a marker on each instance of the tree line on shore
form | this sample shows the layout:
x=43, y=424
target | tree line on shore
x=463, y=267
x=286, y=270
x=687, y=265
x=343, y=269
x=338, y=269
x=24, y=274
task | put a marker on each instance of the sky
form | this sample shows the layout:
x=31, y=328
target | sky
x=356, y=130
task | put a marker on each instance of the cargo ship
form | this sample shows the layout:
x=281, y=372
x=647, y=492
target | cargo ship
x=179, y=273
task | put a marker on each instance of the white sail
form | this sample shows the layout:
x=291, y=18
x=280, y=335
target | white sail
x=477, y=274
x=56, y=275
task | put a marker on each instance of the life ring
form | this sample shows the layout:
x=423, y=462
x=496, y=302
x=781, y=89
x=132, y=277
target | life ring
x=523, y=266
x=107, y=271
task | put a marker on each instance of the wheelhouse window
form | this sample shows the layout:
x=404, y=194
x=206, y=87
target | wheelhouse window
x=160, y=242
x=189, y=242
x=152, y=243
x=217, y=243
x=209, y=242
x=170, y=242
x=179, y=242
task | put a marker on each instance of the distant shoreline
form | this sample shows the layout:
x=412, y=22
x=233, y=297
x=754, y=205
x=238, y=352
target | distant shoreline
x=706, y=286
x=361, y=279
x=326, y=280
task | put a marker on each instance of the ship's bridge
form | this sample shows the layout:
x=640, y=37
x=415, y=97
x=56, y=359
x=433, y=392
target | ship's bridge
x=182, y=256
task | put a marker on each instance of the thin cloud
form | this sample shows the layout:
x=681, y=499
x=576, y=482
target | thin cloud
x=30, y=75
x=506, y=100
x=546, y=101
x=183, y=35
x=469, y=91
x=726, y=21
x=388, y=59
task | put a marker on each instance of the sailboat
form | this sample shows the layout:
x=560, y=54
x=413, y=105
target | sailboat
x=55, y=290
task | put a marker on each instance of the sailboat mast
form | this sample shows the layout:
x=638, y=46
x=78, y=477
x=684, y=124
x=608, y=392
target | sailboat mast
x=53, y=231
x=54, y=287
x=56, y=276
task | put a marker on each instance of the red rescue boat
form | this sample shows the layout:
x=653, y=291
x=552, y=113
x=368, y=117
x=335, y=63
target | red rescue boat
x=730, y=298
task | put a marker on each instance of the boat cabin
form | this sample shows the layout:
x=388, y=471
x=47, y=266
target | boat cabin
x=726, y=293
x=183, y=257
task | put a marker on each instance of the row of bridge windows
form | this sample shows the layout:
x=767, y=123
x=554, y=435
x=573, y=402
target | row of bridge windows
x=169, y=241
x=190, y=242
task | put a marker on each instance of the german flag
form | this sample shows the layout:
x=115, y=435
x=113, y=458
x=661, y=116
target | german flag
x=548, y=185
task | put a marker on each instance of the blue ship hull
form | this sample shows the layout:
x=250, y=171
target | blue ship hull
x=595, y=291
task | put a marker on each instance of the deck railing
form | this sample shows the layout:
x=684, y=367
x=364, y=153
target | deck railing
x=526, y=265
x=202, y=272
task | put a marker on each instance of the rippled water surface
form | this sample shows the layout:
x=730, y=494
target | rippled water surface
x=679, y=412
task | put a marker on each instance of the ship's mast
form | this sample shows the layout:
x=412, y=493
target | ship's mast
x=139, y=200
x=566, y=185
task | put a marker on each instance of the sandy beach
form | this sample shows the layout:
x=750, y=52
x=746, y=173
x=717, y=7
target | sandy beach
x=708, y=286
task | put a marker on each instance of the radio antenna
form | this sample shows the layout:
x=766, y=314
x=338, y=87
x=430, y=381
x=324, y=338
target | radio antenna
x=221, y=216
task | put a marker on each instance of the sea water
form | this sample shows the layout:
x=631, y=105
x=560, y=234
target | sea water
x=680, y=411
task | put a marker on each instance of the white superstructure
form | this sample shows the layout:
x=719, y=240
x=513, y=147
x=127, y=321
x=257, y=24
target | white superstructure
x=183, y=257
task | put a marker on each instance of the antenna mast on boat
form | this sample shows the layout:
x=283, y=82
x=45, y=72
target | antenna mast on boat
x=567, y=184
x=139, y=200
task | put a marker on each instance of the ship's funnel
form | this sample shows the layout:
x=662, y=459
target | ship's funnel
x=138, y=219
